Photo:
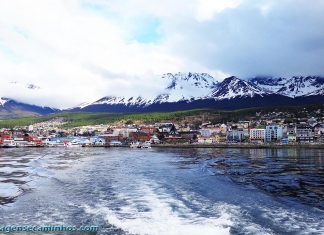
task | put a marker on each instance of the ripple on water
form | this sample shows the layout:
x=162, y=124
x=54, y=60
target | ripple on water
x=8, y=191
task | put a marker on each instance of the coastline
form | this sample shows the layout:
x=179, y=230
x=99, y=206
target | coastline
x=247, y=146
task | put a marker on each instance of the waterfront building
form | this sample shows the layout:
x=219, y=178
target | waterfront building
x=236, y=134
x=139, y=136
x=205, y=140
x=209, y=131
x=291, y=130
x=304, y=133
x=257, y=134
x=189, y=135
x=273, y=133
x=220, y=138
x=165, y=127
x=124, y=131
x=319, y=132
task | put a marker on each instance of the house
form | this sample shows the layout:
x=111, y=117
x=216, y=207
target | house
x=220, y=137
x=149, y=130
x=189, y=135
x=124, y=131
x=110, y=137
x=209, y=131
x=139, y=136
x=165, y=127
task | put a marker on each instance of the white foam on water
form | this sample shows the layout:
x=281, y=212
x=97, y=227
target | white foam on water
x=9, y=190
x=294, y=221
x=147, y=212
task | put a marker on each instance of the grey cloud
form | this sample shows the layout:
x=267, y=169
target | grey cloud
x=286, y=40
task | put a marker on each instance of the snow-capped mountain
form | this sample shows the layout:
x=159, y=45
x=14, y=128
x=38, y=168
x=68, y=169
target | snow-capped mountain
x=292, y=87
x=181, y=87
x=10, y=108
x=186, y=86
x=233, y=87
x=200, y=90
x=113, y=100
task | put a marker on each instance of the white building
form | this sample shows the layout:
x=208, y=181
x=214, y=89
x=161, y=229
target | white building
x=30, y=128
x=124, y=131
x=273, y=133
x=257, y=134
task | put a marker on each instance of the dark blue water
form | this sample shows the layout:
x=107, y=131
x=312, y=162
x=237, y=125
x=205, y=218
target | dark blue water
x=165, y=191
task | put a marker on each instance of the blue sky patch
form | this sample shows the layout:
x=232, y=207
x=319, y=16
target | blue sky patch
x=147, y=30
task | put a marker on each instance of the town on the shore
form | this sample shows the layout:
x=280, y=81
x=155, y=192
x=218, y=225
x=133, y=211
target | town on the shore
x=258, y=132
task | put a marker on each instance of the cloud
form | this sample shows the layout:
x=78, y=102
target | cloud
x=280, y=38
x=81, y=50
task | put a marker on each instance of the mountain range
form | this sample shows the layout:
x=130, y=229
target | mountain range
x=196, y=90
x=200, y=90
x=10, y=108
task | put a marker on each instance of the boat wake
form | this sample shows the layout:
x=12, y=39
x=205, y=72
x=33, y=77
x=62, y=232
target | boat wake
x=151, y=210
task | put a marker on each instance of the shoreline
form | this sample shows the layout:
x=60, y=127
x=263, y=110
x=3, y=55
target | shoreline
x=247, y=146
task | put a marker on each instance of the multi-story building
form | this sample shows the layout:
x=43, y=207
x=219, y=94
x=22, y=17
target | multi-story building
x=319, y=132
x=236, y=134
x=273, y=133
x=257, y=134
x=304, y=133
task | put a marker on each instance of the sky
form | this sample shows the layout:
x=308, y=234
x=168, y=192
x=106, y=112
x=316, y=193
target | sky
x=77, y=51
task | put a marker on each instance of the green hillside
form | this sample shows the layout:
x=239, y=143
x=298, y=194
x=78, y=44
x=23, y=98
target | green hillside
x=74, y=119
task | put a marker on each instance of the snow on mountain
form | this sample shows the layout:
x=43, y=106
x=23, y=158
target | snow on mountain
x=292, y=87
x=186, y=86
x=181, y=87
x=233, y=87
x=201, y=89
x=316, y=92
x=3, y=101
x=113, y=100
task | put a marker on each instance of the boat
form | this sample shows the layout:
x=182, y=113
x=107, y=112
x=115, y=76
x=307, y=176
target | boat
x=73, y=144
x=144, y=145
x=135, y=145
x=9, y=144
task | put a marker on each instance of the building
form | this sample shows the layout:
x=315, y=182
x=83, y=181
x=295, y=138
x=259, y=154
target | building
x=292, y=138
x=139, y=136
x=220, y=138
x=236, y=134
x=209, y=131
x=257, y=134
x=124, y=131
x=319, y=132
x=206, y=140
x=189, y=135
x=291, y=130
x=166, y=127
x=149, y=130
x=304, y=133
x=273, y=133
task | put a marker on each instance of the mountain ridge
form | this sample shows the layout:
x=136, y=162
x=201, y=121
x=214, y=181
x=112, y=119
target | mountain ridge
x=201, y=90
x=185, y=91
